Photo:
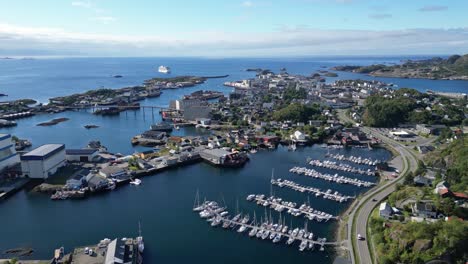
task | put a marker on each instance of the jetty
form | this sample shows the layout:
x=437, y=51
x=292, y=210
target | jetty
x=279, y=205
x=328, y=177
x=329, y=194
x=340, y=166
x=264, y=230
x=353, y=159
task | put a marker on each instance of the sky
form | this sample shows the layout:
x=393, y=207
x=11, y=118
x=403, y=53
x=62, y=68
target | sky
x=231, y=28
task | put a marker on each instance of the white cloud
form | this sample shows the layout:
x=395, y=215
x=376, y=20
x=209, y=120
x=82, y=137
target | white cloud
x=247, y=4
x=289, y=41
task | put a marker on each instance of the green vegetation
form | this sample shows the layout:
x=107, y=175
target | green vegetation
x=291, y=93
x=387, y=112
x=297, y=113
x=455, y=159
x=455, y=67
x=415, y=242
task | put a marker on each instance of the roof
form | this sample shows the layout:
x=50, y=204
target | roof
x=4, y=136
x=383, y=206
x=43, y=152
x=217, y=152
x=460, y=195
x=86, y=151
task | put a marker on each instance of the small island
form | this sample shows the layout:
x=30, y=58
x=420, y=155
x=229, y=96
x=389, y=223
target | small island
x=53, y=122
x=454, y=67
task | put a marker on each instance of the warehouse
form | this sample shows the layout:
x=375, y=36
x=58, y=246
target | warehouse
x=8, y=156
x=43, y=161
x=81, y=155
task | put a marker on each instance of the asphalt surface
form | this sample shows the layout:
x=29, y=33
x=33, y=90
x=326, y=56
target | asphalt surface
x=365, y=206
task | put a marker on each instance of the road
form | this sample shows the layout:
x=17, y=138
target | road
x=361, y=212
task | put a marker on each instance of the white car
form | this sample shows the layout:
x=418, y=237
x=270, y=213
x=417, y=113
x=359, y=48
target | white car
x=359, y=237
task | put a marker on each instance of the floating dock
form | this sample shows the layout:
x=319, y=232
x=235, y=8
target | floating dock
x=328, y=177
x=329, y=194
x=275, y=232
x=340, y=166
x=279, y=205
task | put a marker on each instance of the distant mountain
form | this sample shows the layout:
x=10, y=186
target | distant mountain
x=454, y=67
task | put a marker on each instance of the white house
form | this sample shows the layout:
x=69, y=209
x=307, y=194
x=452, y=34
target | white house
x=8, y=156
x=43, y=161
x=299, y=137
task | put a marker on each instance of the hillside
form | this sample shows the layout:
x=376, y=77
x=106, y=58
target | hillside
x=454, y=67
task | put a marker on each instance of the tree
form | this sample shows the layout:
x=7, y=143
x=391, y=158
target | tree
x=408, y=178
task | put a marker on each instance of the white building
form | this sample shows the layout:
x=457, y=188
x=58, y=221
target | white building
x=8, y=156
x=43, y=161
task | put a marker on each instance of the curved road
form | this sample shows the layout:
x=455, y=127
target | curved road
x=361, y=212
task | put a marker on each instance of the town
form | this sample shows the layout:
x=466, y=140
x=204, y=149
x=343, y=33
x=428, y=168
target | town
x=260, y=114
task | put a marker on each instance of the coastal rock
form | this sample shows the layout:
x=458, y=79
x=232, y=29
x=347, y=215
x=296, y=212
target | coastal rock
x=47, y=188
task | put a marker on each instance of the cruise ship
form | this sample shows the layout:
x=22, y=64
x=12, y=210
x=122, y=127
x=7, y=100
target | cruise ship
x=164, y=69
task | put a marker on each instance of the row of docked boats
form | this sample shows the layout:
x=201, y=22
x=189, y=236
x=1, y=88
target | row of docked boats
x=328, y=177
x=291, y=208
x=328, y=194
x=333, y=165
x=217, y=215
x=357, y=160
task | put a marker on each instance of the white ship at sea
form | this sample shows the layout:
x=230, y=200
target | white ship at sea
x=164, y=69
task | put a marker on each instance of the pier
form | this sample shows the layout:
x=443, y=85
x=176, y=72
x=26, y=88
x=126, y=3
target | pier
x=329, y=194
x=353, y=159
x=328, y=177
x=279, y=205
x=267, y=230
x=341, y=167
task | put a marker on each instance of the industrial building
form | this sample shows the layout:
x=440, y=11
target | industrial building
x=81, y=155
x=8, y=156
x=43, y=161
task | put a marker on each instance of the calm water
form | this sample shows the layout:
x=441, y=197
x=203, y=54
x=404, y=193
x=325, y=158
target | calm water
x=163, y=203
x=42, y=79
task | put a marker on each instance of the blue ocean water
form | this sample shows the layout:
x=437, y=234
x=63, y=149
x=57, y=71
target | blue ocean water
x=173, y=233
x=42, y=79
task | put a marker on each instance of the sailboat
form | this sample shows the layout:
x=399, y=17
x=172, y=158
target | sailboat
x=140, y=242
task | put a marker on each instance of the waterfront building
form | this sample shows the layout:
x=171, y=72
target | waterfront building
x=121, y=252
x=43, y=161
x=8, y=156
x=81, y=155
x=221, y=157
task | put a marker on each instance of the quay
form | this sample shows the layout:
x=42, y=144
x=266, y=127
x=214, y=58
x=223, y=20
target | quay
x=328, y=177
x=275, y=232
x=341, y=167
x=279, y=205
x=329, y=194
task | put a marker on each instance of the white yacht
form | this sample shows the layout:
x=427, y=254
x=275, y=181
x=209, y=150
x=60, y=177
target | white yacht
x=164, y=69
x=135, y=182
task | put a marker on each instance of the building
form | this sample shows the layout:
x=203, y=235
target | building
x=422, y=181
x=118, y=251
x=424, y=210
x=43, y=161
x=81, y=155
x=221, y=157
x=8, y=156
x=385, y=210
x=427, y=129
x=195, y=112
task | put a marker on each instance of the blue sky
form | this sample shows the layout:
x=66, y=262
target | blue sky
x=232, y=28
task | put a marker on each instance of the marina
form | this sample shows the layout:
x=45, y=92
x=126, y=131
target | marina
x=328, y=177
x=357, y=160
x=339, y=166
x=279, y=205
x=264, y=230
x=329, y=194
